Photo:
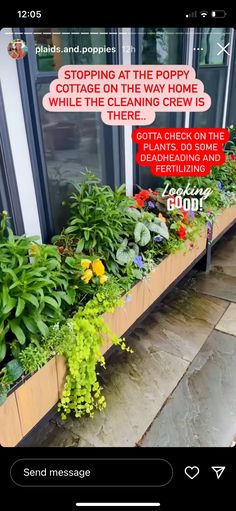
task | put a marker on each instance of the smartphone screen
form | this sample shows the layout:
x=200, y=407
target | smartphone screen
x=118, y=259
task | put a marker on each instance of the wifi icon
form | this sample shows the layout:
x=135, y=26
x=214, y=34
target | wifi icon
x=203, y=13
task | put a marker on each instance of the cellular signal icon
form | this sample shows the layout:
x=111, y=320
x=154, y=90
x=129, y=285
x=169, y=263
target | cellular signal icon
x=192, y=14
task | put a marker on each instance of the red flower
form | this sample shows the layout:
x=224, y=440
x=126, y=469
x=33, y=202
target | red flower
x=182, y=232
x=140, y=202
x=232, y=157
x=142, y=197
x=185, y=215
x=144, y=194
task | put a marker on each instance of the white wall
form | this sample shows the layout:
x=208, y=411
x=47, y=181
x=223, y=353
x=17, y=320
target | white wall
x=17, y=134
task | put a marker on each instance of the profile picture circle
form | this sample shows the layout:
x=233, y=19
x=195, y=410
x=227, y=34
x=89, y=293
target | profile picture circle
x=17, y=49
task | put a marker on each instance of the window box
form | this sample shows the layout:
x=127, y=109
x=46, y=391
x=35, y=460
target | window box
x=36, y=395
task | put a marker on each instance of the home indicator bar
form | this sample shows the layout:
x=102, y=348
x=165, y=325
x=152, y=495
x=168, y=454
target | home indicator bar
x=118, y=504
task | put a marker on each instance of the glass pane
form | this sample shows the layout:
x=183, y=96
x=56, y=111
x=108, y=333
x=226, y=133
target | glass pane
x=160, y=46
x=231, y=117
x=72, y=143
x=211, y=39
x=58, y=46
x=214, y=84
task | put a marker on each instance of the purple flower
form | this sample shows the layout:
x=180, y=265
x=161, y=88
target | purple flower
x=191, y=213
x=220, y=186
x=151, y=204
x=139, y=262
x=158, y=238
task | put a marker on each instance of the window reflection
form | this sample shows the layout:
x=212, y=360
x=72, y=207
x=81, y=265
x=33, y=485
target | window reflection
x=72, y=143
x=209, y=39
x=61, y=41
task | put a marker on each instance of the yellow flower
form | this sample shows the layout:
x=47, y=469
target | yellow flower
x=162, y=218
x=103, y=279
x=34, y=249
x=87, y=276
x=98, y=267
x=85, y=263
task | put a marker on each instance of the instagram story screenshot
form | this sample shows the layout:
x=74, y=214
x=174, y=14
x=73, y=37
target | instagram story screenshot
x=118, y=258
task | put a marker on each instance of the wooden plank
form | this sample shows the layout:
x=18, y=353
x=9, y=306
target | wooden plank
x=61, y=373
x=223, y=219
x=10, y=427
x=37, y=395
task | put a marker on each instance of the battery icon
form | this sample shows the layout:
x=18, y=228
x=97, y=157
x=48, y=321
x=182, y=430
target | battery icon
x=218, y=14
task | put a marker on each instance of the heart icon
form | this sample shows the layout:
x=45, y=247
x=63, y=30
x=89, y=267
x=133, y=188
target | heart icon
x=191, y=472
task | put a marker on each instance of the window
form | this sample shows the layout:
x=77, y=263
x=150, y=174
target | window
x=9, y=198
x=160, y=46
x=211, y=68
x=231, y=114
x=69, y=142
x=62, y=41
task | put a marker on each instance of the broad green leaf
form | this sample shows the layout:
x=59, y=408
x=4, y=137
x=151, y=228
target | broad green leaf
x=3, y=330
x=11, y=303
x=10, y=272
x=17, y=330
x=5, y=295
x=71, y=229
x=3, y=350
x=80, y=246
x=68, y=296
x=86, y=234
x=30, y=324
x=42, y=327
x=20, y=306
x=31, y=298
x=14, y=369
x=51, y=301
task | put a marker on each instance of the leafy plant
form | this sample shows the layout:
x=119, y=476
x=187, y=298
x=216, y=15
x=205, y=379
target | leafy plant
x=80, y=341
x=34, y=356
x=126, y=253
x=32, y=290
x=99, y=219
x=141, y=234
x=8, y=375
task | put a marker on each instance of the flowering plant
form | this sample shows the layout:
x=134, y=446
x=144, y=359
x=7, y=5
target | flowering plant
x=93, y=271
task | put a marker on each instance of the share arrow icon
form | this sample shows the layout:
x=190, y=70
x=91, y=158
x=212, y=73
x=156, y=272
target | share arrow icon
x=219, y=471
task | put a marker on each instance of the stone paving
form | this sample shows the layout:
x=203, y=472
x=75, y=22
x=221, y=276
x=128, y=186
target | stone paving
x=178, y=388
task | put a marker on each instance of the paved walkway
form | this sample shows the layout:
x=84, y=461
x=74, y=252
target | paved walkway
x=178, y=388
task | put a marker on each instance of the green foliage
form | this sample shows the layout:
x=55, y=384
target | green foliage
x=126, y=253
x=14, y=370
x=8, y=375
x=34, y=356
x=32, y=289
x=80, y=341
x=99, y=219
x=5, y=385
x=141, y=234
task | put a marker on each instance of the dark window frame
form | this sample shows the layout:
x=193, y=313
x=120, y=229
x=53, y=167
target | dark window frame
x=9, y=195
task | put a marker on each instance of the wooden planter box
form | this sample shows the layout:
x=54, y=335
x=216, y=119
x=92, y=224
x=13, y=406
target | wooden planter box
x=38, y=394
x=223, y=221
